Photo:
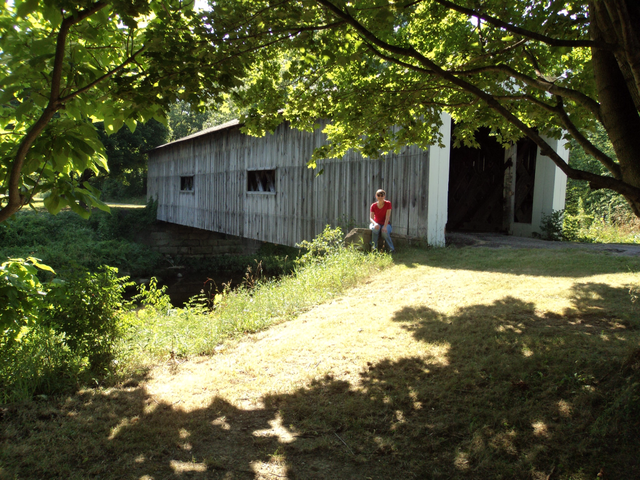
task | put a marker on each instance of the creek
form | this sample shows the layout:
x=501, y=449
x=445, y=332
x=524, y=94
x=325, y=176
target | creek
x=182, y=284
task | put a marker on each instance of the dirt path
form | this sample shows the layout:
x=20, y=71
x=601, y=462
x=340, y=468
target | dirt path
x=242, y=390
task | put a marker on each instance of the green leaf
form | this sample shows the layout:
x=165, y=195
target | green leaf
x=40, y=100
x=51, y=13
x=42, y=49
x=7, y=94
x=112, y=125
x=132, y=124
x=41, y=266
x=76, y=208
x=93, y=197
x=80, y=144
x=26, y=8
x=74, y=112
x=11, y=80
x=94, y=191
x=23, y=109
x=53, y=203
x=101, y=161
x=160, y=118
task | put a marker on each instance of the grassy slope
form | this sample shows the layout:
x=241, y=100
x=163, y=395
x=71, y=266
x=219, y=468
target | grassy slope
x=471, y=363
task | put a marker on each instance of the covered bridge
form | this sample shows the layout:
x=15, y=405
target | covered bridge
x=260, y=187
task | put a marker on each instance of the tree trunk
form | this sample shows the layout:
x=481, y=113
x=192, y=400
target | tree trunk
x=624, y=15
x=616, y=91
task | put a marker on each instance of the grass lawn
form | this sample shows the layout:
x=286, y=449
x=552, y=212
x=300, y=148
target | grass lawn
x=469, y=363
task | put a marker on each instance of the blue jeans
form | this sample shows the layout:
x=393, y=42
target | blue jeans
x=376, y=233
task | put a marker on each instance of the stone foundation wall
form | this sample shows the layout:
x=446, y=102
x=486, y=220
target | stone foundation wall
x=361, y=238
x=180, y=241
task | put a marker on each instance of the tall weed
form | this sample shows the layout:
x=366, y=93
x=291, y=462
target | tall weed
x=617, y=226
x=551, y=226
x=21, y=295
x=588, y=228
x=37, y=363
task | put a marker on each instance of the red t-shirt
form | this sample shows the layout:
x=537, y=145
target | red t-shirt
x=379, y=214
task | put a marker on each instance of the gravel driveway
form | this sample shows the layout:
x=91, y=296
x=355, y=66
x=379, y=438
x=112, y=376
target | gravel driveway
x=497, y=240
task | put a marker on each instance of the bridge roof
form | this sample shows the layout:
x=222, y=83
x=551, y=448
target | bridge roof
x=201, y=133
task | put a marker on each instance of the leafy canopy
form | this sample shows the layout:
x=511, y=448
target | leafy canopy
x=384, y=70
x=67, y=65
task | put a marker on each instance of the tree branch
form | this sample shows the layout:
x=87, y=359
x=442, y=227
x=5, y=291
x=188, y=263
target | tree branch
x=539, y=84
x=596, y=180
x=397, y=61
x=496, y=53
x=61, y=42
x=588, y=147
x=16, y=200
x=288, y=31
x=554, y=42
x=107, y=75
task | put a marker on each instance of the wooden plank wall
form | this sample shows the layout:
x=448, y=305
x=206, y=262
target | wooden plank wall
x=303, y=203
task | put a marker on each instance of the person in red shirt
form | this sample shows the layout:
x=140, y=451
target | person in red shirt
x=381, y=220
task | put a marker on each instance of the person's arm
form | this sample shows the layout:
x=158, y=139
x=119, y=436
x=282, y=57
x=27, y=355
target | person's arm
x=387, y=219
x=371, y=216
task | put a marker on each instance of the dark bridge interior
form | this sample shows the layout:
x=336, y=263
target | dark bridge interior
x=477, y=200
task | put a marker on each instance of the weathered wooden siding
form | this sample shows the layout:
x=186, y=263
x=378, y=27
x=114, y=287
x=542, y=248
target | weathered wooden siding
x=303, y=203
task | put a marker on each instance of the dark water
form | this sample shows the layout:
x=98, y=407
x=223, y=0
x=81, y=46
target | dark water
x=182, y=284
x=185, y=284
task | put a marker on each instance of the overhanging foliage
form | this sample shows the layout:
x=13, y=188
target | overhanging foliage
x=523, y=68
x=66, y=65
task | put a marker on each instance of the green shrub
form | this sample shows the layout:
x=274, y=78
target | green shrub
x=329, y=242
x=576, y=225
x=58, y=335
x=124, y=223
x=153, y=298
x=274, y=260
x=119, y=189
x=551, y=226
x=271, y=265
x=32, y=229
x=21, y=295
x=597, y=215
x=37, y=363
x=582, y=226
x=86, y=309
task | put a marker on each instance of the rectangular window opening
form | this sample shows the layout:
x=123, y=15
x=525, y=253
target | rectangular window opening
x=263, y=181
x=186, y=184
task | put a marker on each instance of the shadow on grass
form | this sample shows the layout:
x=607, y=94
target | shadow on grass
x=572, y=263
x=501, y=391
